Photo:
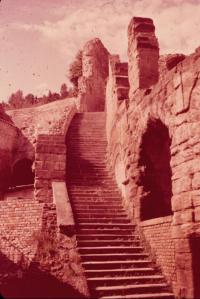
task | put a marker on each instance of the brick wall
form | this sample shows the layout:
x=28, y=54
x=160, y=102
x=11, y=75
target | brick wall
x=158, y=236
x=21, y=221
x=32, y=249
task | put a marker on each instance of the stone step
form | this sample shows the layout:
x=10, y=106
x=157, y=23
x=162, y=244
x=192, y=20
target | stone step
x=89, y=177
x=88, y=141
x=124, y=280
x=80, y=133
x=115, y=264
x=79, y=190
x=80, y=179
x=86, y=149
x=96, y=203
x=90, y=231
x=89, y=153
x=103, y=226
x=107, y=237
x=160, y=295
x=96, y=200
x=110, y=249
x=104, y=243
x=95, y=184
x=114, y=202
x=91, y=172
x=113, y=257
x=102, y=215
x=100, y=208
x=96, y=169
x=102, y=199
x=92, y=183
x=130, y=289
x=93, y=210
x=104, y=220
x=78, y=140
x=107, y=273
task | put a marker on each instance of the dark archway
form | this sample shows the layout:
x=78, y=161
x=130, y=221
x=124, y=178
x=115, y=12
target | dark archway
x=23, y=173
x=156, y=171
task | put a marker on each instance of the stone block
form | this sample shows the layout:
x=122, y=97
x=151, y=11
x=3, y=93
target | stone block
x=182, y=246
x=182, y=201
x=197, y=214
x=183, y=184
x=196, y=198
x=186, y=168
x=64, y=212
x=196, y=181
x=43, y=174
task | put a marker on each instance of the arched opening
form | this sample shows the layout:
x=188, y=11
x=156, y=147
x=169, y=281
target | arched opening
x=156, y=171
x=23, y=173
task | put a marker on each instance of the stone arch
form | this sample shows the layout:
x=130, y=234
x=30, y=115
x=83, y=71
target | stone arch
x=22, y=172
x=155, y=171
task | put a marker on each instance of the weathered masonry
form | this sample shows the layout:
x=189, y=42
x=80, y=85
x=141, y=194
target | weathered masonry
x=107, y=180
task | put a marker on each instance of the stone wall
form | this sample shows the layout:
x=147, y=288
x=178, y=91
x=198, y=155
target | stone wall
x=92, y=84
x=33, y=249
x=50, y=164
x=43, y=119
x=173, y=101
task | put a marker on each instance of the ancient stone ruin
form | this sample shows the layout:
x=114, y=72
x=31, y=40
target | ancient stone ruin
x=100, y=194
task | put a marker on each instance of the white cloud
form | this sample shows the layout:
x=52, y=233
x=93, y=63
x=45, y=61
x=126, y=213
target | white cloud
x=177, y=25
x=42, y=89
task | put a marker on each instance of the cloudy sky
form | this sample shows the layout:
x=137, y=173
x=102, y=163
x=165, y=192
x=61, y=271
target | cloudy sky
x=39, y=38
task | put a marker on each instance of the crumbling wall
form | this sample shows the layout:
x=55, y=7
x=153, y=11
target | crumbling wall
x=92, y=84
x=172, y=99
x=43, y=119
x=36, y=259
x=33, y=249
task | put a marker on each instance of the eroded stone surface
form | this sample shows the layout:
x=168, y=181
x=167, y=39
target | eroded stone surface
x=94, y=74
x=138, y=94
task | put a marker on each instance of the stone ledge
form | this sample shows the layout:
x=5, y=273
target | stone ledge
x=155, y=221
x=65, y=218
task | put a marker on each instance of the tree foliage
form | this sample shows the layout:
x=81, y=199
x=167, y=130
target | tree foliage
x=17, y=100
x=75, y=69
x=64, y=91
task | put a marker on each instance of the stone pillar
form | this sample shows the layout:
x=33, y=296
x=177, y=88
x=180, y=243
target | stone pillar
x=143, y=54
x=92, y=84
x=50, y=163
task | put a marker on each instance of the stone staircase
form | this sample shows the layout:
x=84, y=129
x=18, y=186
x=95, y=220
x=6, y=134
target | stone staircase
x=115, y=262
